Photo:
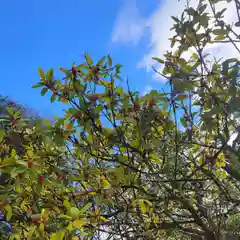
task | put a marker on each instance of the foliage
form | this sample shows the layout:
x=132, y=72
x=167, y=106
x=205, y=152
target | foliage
x=123, y=166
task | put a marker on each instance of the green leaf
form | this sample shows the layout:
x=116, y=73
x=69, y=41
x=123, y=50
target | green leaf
x=220, y=13
x=225, y=67
x=80, y=88
x=89, y=60
x=64, y=70
x=219, y=38
x=79, y=223
x=173, y=42
x=18, y=185
x=219, y=31
x=31, y=232
x=10, y=111
x=85, y=208
x=67, y=204
x=204, y=19
x=101, y=61
x=190, y=11
x=118, y=67
x=15, y=237
x=202, y=8
x=237, y=24
x=30, y=153
x=181, y=97
x=57, y=236
x=64, y=216
x=49, y=75
x=8, y=209
x=47, y=123
x=158, y=60
x=42, y=75
x=2, y=135
x=44, y=91
x=183, y=121
x=175, y=19
x=53, y=97
x=40, y=84
x=109, y=61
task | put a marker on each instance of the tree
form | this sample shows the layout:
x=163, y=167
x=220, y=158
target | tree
x=11, y=115
x=158, y=166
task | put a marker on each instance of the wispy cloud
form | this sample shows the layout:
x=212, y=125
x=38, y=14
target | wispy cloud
x=160, y=33
x=130, y=25
x=147, y=90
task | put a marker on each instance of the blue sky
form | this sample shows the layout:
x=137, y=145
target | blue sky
x=54, y=33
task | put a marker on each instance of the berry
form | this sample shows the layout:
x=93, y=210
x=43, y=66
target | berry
x=60, y=175
x=54, y=89
x=30, y=164
x=21, y=175
x=36, y=218
x=74, y=71
x=78, y=116
x=187, y=118
x=93, y=98
x=95, y=70
x=110, y=92
x=152, y=102
x=136, y=107
x=41, y=178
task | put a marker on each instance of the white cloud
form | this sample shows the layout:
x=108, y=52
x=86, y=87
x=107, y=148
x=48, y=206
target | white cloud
x=160, y=32
x=130, y=25
x=147, y=90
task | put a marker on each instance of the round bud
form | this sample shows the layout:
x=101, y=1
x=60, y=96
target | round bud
x=41, y=178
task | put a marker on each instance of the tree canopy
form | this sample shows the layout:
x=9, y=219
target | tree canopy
x=119, y=165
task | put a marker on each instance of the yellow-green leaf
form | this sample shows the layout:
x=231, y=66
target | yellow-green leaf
x=41, y=227
x=89, y=59
x=79, y=223
x=42, y=75
x=2, y=134
x=109, y=61
x=15, y=237
x=66, y=204
x=50, y=74
x=85, y=208
x=8, y=209
x=57, y=236
x=30, y=153
x=31, y=232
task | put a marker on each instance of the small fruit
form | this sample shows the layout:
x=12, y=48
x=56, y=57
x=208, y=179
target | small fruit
x=60, y=175
x=136, y=107
x=152, y=102
x=69, y=126
x=93, y=97
x=30, y=164
x=74, y=71
x=54, y=90
x=41, y=178
x=36, y=218
x=187, y=118
x=21, y=175
x=78, y=116
x=95, y=70
x=110, y=92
